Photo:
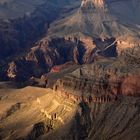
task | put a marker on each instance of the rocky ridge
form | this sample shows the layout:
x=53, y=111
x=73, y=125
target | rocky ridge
x=102, y=90
x=98, y=31
x=50, y=52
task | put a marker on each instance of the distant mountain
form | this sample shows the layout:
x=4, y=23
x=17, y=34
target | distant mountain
x=78, y=31
x=102, y=19
x=23, y=22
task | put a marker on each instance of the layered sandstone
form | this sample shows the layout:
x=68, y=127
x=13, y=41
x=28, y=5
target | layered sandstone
x=104, y=81
x=108, y=97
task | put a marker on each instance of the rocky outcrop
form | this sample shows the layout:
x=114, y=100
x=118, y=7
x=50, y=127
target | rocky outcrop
x=17, y=70
x=79, y=44
x=103, y=81
x=107, y=93
x=101, y=19
x=86, y=98
x=12, y=71
x=95, y=3
x=49, y=53
x=52, y=54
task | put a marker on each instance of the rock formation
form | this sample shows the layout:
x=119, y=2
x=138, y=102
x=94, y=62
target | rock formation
x=92, y=30
x=107, y=93
x=96, y=3
x=89, y=65
x=103, y=81
x=12, y=71
x=48, y=53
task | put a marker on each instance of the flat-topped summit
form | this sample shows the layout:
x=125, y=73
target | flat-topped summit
x=95, y=3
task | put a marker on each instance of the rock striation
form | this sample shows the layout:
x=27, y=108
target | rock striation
x=108, y=97
x=103, y=81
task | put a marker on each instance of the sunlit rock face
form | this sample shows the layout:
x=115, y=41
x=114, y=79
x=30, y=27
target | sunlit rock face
x=99, y=3
x=96, y=3
x=11, y=72
x=101, y=19
x=106, y=91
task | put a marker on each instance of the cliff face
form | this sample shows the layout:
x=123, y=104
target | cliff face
x=51, y=52
x=105, y=78
x=94, y=3
x=19, y=33
x=102, y=79
x=83, y=105
x=22, y=26
x=91, y=101
x=114, y=120
x=80, y=34
x=102, y=19
x=108, y=98
x=104, y=121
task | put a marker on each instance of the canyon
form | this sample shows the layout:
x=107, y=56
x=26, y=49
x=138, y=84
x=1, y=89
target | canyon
x=96, y=32
x=69, y=70
x=91, y=101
